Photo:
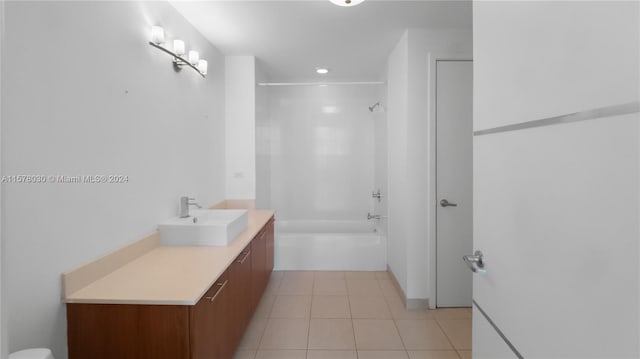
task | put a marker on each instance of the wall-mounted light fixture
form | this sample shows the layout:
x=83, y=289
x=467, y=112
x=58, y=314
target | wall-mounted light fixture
x=193, y=61
x=346, y=2
x=178, y=47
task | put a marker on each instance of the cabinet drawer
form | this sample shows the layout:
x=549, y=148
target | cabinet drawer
x=209, y=320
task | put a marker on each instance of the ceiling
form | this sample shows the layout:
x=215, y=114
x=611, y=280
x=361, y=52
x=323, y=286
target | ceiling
x=292, y=38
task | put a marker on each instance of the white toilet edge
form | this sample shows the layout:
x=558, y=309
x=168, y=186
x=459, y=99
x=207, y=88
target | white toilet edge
x=37, y=353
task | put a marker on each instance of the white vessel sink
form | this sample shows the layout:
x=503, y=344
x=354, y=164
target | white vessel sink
x=205, y=227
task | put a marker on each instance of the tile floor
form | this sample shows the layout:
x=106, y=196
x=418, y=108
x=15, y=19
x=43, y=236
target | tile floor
x=349, y=315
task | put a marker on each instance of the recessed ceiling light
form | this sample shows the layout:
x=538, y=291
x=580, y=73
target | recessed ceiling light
x=322, y=71
x=346, y=2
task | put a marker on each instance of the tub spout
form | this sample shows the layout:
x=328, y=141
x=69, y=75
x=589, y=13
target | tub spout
x=373, y=216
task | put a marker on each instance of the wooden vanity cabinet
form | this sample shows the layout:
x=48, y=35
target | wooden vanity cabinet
x=110, y=331
x=209, y=322
x=210, y=329
x=270, y=244
x=258, y=266
x=240, y=290
x=263, y=247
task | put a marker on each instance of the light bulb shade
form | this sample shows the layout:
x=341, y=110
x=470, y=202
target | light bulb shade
x=178, y=47
x=194, y=57
x=202, y=66
x=157, y=35
x=347, y=2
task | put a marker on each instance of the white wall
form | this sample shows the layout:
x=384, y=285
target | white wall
x=411, y=128
x=263, y=142
x=397, y=118
x=84, y=93
x=531, y=78
x=380, y=177
x=322, y=151
x=240, y=127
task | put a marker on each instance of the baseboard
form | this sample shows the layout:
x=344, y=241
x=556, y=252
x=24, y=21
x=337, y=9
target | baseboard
x=417, y=303
x=409, y=303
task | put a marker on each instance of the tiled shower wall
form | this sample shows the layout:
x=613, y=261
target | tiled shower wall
x=321, y=141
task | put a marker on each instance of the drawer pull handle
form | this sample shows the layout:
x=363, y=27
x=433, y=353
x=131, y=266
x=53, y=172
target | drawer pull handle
x=221, y=285
x=241, y=261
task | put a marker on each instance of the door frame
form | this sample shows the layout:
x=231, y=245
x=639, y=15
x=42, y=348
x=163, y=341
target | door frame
x=432, y=195
x=4, y=349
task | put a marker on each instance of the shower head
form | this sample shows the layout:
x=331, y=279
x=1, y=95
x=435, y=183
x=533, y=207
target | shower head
x=372, y=107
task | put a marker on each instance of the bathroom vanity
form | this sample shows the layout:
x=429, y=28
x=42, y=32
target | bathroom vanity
x=172, y=302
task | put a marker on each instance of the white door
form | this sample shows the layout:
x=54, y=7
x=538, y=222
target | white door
x=454, y=106
x=557, y=179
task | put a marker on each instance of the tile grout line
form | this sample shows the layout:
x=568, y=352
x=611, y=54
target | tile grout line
x=446, y=335
x=268, y=319
x=261, y=336
x=353, y=325
x=313, y=283
x=276, y=289
x=404, y=345
x=275, y=298
x=386, y=302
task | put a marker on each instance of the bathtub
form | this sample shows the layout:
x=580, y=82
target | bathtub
x=329, y=245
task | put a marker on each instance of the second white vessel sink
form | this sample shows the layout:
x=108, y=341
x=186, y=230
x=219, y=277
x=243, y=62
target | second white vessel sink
x=204, y=227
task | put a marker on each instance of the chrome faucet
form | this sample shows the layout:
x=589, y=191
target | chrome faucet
x=185, y=202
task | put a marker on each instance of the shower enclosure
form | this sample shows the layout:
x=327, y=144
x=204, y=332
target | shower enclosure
x=316, y=163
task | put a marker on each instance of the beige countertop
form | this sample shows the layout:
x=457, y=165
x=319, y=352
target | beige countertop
x=168, y=275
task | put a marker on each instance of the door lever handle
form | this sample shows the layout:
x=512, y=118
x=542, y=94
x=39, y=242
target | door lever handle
x=475, y=262
x=445, y=203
